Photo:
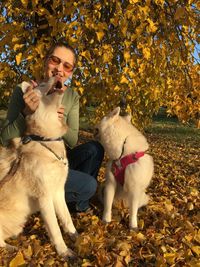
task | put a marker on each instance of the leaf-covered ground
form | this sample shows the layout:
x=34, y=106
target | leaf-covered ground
x=168, y=233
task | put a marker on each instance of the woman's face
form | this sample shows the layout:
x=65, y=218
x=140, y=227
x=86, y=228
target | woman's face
x=60, y=63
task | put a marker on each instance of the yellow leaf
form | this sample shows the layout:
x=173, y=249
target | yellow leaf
x=40, y=49
x=127, y=43
x=107, y=57
x=24, y=3
x=77, y=83
x=133, y=1
x=118, y=262
x=127, y=55
x=168, y=205
x=87, y=55
x=140, y=237
x=124, y=80
x=81, y=90
x=84, y=101
x=159, y=2
x=18, y=58
x=188, y=238
x=17, y=46
x=123, y=246
x=100, y=35
x=196, y=250
x=15, y=39
x=152, y=26
x=194, y=192
x=124, y=30
x=6, y=93
x=117, y=88
x=190, y=206
x=86, y=263
x=50, y=262
x=35, y=2
x=142, y=68
x=94, y=219
x=18, y=260
x=115, y=21
x=146, y=52
x=170, y=257
x=141, y=224
x=144, y=10
x=30, y=57
x=28, y=252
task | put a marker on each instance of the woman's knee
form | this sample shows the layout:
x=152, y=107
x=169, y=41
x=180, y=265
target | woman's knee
x=91, y=187
x=96, y=149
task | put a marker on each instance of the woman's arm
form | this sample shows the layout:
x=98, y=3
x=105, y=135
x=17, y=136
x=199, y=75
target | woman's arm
x=14, y=125
x=72, y=120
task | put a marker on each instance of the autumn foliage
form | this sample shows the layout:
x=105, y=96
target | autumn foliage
x=168, y=232
x=142, y=51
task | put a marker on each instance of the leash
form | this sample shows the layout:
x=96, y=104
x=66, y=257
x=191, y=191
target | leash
x=56, y=155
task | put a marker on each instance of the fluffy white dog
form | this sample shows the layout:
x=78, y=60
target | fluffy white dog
x=130, y=169
x=33, y=175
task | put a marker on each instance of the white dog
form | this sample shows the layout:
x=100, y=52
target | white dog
x=33, y=175
x=130, y=168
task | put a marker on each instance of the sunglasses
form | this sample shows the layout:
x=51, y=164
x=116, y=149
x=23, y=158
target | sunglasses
x=56, y=61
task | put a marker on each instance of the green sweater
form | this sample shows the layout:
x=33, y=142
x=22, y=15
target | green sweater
x=14, y=125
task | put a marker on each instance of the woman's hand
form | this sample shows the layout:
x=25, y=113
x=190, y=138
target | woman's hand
x=60, y=112
x=31, y=99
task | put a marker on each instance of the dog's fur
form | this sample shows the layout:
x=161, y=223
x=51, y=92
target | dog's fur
x=32, y=178
x=118, y=136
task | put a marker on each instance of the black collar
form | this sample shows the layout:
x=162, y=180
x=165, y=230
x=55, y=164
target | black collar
x=27, y=138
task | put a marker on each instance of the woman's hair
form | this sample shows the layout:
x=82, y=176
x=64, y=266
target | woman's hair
x=61, y=43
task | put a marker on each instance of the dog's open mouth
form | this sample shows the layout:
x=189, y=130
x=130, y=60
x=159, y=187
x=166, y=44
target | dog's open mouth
x=56, y=87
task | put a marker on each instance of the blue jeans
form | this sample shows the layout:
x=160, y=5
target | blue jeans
x=84, y=163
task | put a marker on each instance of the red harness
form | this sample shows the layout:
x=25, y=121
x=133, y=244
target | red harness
x=119, y=166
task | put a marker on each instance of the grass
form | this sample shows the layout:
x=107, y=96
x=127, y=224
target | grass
x=162, y=125
x=172, y=128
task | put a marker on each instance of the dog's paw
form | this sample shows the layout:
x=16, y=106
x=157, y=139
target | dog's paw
x=135, y=229
x=105, y=221
x=73, y=236
x=69, y=254
x=106, y=218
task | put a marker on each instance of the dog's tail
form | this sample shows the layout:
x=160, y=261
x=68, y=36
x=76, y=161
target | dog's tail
x=7, y=159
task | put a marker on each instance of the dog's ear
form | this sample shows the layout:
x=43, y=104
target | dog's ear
x=127, y=118
x=24, y=86
x=115, y=112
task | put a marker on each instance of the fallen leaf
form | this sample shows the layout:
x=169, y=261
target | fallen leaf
x=18, y=260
